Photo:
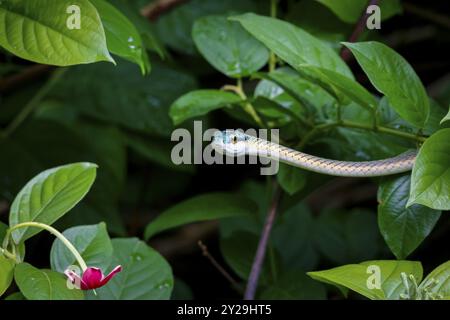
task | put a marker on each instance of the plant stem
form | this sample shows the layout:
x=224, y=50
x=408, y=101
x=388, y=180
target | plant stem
x=34, y=102
x=56, y=233
x=262, y=247
x=350, y=124
x=273, y=14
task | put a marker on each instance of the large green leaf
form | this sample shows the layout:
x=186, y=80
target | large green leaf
x=351, y=10
x=208, y=206
x=6, y=273
x=438, y=281
x=174, y=27
x=403, y=228
x=339, y=86
x=200, y=102
x=294, y=285
x=430, y=183
x=392, y=75
x=139, y=103
x=292, y=44
x=145, y=274
x=37, y=30
x=142, y=24
x=122, y=37
x=49, y=195
x=357, y=276
x=311, y=96
x=91, y=241
x=228, y=47
x=42, y=284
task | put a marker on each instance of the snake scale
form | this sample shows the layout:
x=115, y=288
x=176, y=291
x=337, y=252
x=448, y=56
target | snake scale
x=237, y=143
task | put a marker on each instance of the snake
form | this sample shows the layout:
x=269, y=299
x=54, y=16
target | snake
x=237, y=143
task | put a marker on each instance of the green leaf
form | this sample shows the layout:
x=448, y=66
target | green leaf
x=174, y=27
x=240, y=257
x=145, y=274
x=42, y=284
x=339, y=86
x=311, y=96
x=16, y=296
x=200, y=102
x=351, y=10
x=392, y=75
x=403, y=228
x=357, y=277
x=430, y=183
x=122, y=37
x=49, y=195
x=37, y=30
x=143, y=25
x=228, y=47
x=6, y=273
x=447, y=117
x=204, y=207
x=293, y=44
x=442, y=275
x=291, y=179
x=92, y=242
x=294, y=285
x=139, y=103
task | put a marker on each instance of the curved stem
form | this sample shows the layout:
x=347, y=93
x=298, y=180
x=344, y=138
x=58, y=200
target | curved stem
x=34, y=102
x=57, y=234
x=248, y=107
x=8, y=254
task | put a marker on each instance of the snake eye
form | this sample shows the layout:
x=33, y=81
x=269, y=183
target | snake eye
x=234, y=139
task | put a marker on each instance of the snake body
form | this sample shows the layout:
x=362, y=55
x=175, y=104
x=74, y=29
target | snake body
x=236, y=143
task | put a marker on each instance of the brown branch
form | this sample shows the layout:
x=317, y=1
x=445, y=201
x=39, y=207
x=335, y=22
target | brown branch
x=27, y=75
x=255, y=272
x=359, y=28
x=217, y=265
x=156, y=8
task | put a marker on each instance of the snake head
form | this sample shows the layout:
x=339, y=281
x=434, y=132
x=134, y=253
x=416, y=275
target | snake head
x=230, y=142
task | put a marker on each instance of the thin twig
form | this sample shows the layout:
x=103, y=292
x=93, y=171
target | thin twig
x=217, y=265
x=154, y=9
x=34, y=102
x=255, y=272
x=359, y=28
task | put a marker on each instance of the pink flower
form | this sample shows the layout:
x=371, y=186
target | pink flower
x=92, y=277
